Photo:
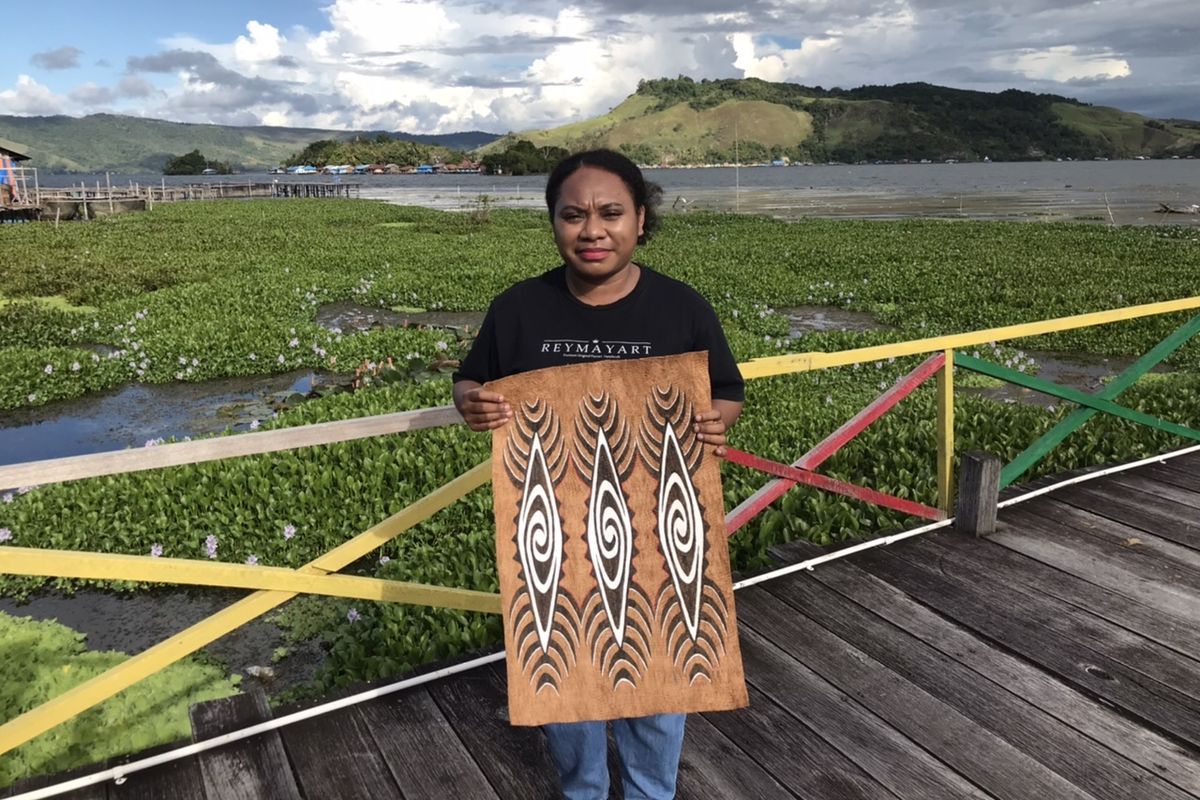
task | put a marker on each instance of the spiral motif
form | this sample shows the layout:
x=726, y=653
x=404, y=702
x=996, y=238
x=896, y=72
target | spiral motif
x=610, y=537
x=540, y=541
x=681, y=530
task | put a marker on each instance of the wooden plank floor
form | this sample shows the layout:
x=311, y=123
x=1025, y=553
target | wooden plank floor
x=1058, y=659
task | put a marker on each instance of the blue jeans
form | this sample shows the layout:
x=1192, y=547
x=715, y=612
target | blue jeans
x=648, y=747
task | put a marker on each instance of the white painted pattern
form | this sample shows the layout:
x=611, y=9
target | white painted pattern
x=540, y=541
x=681, y=530
x=610, y=537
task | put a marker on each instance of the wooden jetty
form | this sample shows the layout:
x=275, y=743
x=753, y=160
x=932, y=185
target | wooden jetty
x=101, y=200
x=99, y=194
x=1058, y=658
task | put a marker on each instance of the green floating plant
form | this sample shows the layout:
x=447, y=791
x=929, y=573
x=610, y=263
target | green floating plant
x=191, y=292
x=44, y=659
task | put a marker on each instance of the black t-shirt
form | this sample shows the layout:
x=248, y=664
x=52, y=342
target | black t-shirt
x=538, y=323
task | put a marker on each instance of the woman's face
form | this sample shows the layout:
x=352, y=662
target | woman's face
x=596, y=224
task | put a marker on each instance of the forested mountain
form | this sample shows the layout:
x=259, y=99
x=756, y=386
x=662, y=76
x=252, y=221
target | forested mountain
x=679, y=120
x=133, y=144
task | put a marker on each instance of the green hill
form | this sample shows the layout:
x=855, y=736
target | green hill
x=684, y=121
x=132, y=144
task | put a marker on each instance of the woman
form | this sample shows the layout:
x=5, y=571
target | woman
x=601, y=304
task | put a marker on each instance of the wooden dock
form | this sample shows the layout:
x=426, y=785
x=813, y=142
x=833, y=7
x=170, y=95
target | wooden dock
x=1058, y=659
x=94, y=202
x=217, y=190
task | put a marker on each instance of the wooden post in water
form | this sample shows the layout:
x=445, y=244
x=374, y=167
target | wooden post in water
x=978, y=494
x=108, y=181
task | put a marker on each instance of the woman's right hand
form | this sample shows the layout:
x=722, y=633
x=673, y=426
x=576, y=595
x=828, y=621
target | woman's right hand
x=481, y=409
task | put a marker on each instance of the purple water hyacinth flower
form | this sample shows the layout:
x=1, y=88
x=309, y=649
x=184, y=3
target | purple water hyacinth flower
x=156, y=550
x=353, y=616
x=210, y=546
x=384, y=559
x=254, y=425
x=8, y=498
x=252, y=560
x=289, y=531
x=48, y=369
x=5, y=535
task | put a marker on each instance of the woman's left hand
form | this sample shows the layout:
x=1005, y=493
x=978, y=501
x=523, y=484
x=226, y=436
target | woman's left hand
x=710, y=428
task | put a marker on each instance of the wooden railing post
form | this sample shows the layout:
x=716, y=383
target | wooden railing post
x=945, y=430
x=978, y=494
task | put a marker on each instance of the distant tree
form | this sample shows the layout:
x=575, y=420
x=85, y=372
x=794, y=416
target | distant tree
x=192, y=163
x=382, y=149
x=523, y=157
x=641, y=153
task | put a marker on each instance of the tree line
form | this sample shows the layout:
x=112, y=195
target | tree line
x=194, y=163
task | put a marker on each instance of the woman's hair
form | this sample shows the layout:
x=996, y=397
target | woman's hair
x=646, y=194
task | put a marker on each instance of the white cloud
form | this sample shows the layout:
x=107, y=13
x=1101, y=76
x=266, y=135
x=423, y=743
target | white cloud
x=380, y=26
x=782, y=64
x=134, y=86
x=92, y=95
x=263, y=44
x=30, y=97
x=500, y=65
x=1064, y=63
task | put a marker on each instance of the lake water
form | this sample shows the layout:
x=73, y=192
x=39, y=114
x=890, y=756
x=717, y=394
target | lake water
x=1124, y=192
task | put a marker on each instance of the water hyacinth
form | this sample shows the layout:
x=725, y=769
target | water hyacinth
x=210, y=546
x=156, y=550
x=289, y=530
x=252, y=560
x=6, y=535
x=228, y=315
x=8, y=498
x=353, y=616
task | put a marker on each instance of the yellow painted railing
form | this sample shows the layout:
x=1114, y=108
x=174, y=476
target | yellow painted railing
x=274, y=586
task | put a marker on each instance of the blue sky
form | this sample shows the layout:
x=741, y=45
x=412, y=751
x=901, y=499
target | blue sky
x=437, y=66
x=137, y=28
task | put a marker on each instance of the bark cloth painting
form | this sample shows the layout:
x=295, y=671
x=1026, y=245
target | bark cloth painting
x=610, y=540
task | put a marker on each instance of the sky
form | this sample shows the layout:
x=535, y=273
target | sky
x=508, y=65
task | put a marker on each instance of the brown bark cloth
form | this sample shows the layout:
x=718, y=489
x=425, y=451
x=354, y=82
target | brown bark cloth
x=610, y=541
